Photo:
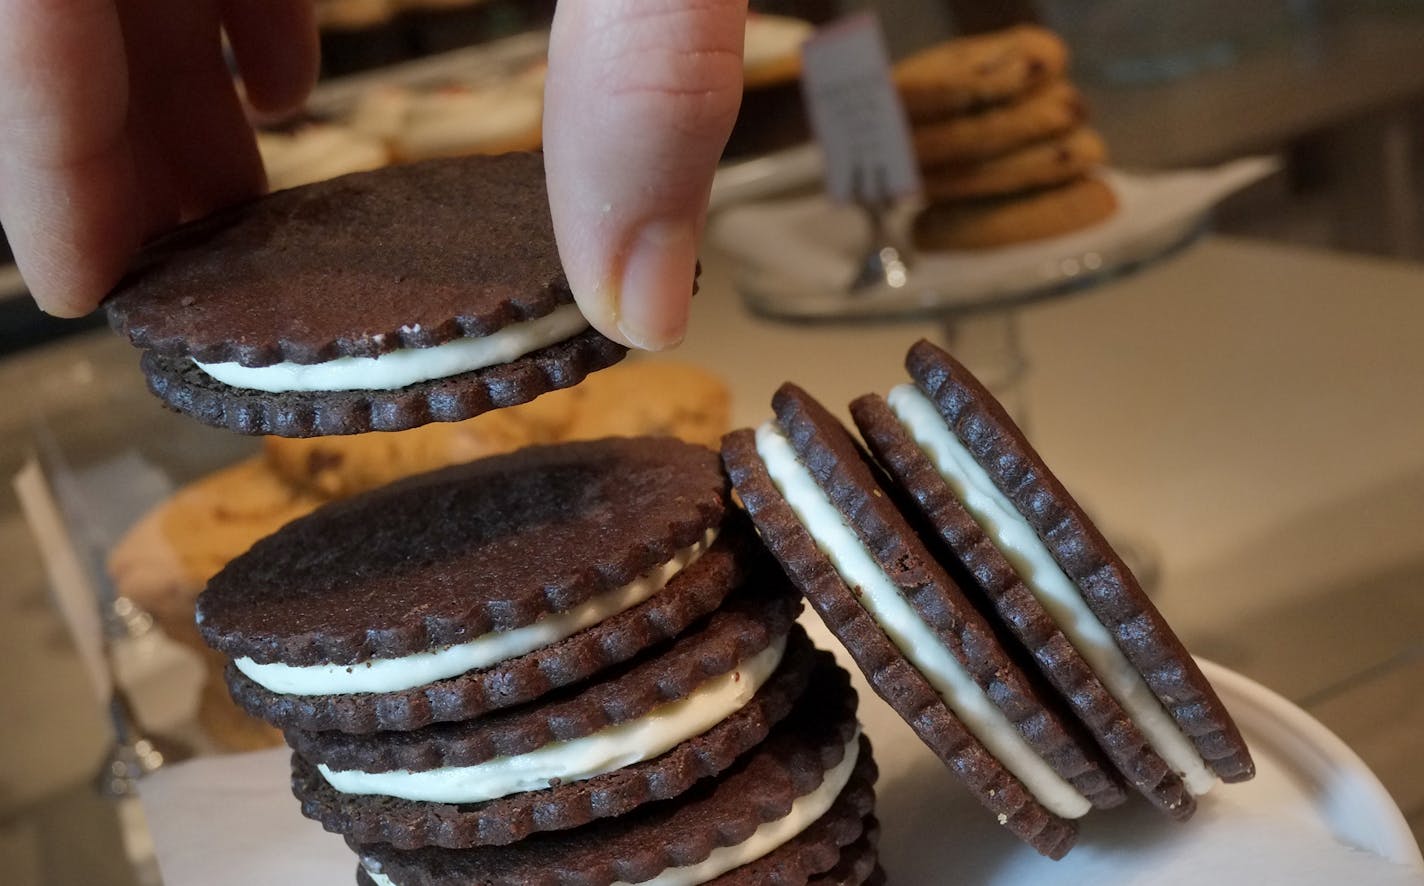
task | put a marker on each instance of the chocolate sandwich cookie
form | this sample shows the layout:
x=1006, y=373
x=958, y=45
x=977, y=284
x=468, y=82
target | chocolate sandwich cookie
x=1028, y=617
x=858, y=865
x=640, y=734
x=921, y=643
x=377, y=301
x=476, y=587
x=969, y=73
x=991, y=498
x=782, y=813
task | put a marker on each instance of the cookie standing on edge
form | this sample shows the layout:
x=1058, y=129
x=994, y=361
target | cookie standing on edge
x=478, y=587
x=959, y=456
x=377, y=301
x=1058, y=658
x=918, y=639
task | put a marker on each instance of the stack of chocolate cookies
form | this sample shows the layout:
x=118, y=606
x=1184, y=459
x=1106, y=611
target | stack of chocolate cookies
x=999, y=133
x=571, y=663
x=579, y=663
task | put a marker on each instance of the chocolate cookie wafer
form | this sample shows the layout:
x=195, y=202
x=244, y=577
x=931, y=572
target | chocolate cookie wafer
x=781, y=813
x=859, y=864
x=919, y=639
x=980, y=460
x=640, y=734
x=476, y=587
x=376, y=301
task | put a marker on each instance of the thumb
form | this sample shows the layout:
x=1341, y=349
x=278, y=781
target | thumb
x=640, y=98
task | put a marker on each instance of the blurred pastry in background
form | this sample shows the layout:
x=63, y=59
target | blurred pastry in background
x=771, y=53
x=1000, y=221
x=773, y=114
x=431, y=5
x=1004, y=153
x=337, y=467
x=391, y=123
x=454, y=119
x=632, y=399
x=317, y=151
x=1053, y=161
x=351, y=15
x=972, y=73
x=1046, y=112
x=357, y=14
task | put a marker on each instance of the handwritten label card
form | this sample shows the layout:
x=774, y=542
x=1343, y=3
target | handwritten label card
x=856, y=113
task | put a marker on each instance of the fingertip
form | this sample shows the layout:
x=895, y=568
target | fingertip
x=79, y=234
x=71, y=296
x=655, y=289
x=598, y=302
x=65, y=310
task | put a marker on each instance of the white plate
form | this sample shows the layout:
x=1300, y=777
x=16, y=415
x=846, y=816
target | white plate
x=796, y=257
x=1313, y=814
x=231, y=821
x=1346, y=794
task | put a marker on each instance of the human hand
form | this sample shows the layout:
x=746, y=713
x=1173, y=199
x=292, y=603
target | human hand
x=97, y=157
x=640, y=98
x=118, y=119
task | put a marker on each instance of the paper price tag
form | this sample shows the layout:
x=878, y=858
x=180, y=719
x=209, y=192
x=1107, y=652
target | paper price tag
x=856, y=113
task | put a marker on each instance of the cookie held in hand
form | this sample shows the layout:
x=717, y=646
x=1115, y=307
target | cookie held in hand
x=377, y=301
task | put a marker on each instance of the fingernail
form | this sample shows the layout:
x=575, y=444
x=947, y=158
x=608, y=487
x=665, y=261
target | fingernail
x=656, y=290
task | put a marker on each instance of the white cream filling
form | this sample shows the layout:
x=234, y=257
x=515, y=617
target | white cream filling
x=393, y=674
x=909, y=632
x=769, y=837
x=577, y=759
x=405, y=366
x=1031, y=559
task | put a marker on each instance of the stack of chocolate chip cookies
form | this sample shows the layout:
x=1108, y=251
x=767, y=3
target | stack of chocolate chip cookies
x=572, y=663
x=1003, y=150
